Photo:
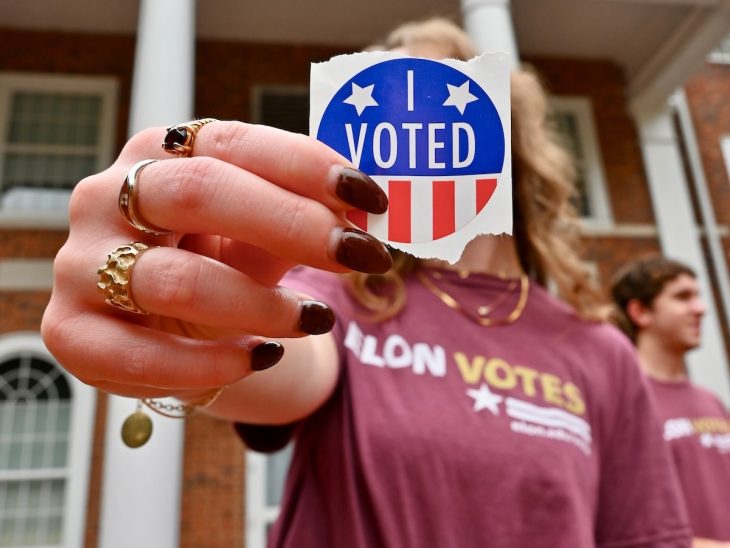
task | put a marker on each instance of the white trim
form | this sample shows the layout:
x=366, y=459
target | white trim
x=79, y=440
x=581, y=108
x=624, y=230
x=725, y=147
x=719, y=57
x=255, y=500
x=721, y=54
x=637, y=230
x=35, y=219
x=106, y=87
x=26, y=274
x=260, y=514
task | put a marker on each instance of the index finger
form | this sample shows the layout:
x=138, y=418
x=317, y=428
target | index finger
x=296, y=162
x=292, y=161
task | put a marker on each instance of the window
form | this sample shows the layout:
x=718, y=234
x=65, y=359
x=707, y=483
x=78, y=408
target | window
x=265, y=477
x=285, y=107
x=55, y=131
x=574, y=119
x=46, y=422
x=721, y=54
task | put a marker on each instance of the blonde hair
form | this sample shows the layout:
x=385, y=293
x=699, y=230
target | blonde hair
x=543, y=173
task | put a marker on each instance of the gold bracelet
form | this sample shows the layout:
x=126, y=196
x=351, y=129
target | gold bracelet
x=137, y=428
x=183, y=410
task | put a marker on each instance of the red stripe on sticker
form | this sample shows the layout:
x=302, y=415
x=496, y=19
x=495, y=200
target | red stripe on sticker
x=359, y=218
x=444, y=208
x=485, y=189
x=399, y=211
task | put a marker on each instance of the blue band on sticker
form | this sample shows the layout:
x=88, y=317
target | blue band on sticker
x=410, y=117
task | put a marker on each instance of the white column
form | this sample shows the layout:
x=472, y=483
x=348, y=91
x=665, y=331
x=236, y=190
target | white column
x=489, y=24
x=141, y=489
x=679, y=236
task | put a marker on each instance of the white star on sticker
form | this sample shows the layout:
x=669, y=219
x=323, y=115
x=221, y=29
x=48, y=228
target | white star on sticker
x=459, y=96
x=361, y=98
x=485, y=399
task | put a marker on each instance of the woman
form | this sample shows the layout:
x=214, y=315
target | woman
x=449, y=406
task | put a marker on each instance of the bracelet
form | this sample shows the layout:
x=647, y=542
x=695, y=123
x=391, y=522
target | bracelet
x=183, y=410
x=137, y=428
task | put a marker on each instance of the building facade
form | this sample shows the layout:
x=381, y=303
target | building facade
x=67, y=104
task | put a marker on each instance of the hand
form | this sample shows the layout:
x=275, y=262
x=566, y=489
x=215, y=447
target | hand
x=251, y=203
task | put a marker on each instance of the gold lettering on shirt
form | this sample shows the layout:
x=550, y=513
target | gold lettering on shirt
x=713, y=425
x=471, y=370
x=527, y=376
x=552, y=389
x=575, y=403
x=500, y=374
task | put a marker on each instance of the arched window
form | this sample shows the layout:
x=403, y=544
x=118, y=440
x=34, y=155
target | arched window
x=46, y=426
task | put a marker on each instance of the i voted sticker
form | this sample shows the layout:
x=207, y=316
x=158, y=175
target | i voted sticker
x=432, y=134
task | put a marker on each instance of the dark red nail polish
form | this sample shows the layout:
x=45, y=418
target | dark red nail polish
x=360, y=251
x=359, y=190
x=265, y=355
x=316, y=318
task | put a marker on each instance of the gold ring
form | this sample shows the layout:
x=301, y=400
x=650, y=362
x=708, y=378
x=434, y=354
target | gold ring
x=115, y=276
x=180, y=138
x=128, y=201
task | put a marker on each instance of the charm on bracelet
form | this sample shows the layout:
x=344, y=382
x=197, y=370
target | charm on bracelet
x=137, y=427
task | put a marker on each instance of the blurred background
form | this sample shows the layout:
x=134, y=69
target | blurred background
x=639, y=88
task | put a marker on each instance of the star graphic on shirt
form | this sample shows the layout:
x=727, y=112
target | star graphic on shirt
x=485, y=399
x=361, y=98
x=459, y=96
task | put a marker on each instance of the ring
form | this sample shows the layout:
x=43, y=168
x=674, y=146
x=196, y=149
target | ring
x=116, y=274
x=128, y=201
x=180, y=138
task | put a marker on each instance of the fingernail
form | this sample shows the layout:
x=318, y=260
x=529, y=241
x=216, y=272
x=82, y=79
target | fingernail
x=359, y=190
x=360, y=251
x=265, y=355
x=316, y=318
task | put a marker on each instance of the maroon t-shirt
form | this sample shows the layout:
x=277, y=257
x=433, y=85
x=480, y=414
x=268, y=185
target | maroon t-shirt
x=444, y=433
x=697, y=429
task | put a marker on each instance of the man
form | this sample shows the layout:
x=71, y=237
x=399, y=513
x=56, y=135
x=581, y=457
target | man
x=660, y=308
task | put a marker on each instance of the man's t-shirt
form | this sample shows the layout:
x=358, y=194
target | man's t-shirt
x=445, y=433
x=697, y=429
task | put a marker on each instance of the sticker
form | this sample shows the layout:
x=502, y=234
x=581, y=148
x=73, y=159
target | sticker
x=435, y=135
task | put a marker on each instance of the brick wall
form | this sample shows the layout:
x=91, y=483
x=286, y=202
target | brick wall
x=604, y=83
x=213, y=471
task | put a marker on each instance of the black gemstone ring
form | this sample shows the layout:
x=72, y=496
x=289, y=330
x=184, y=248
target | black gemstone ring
x=180, y=138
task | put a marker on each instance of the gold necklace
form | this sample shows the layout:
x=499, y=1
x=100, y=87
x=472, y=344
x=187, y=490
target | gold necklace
x=483, y=310
x=452, y=303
